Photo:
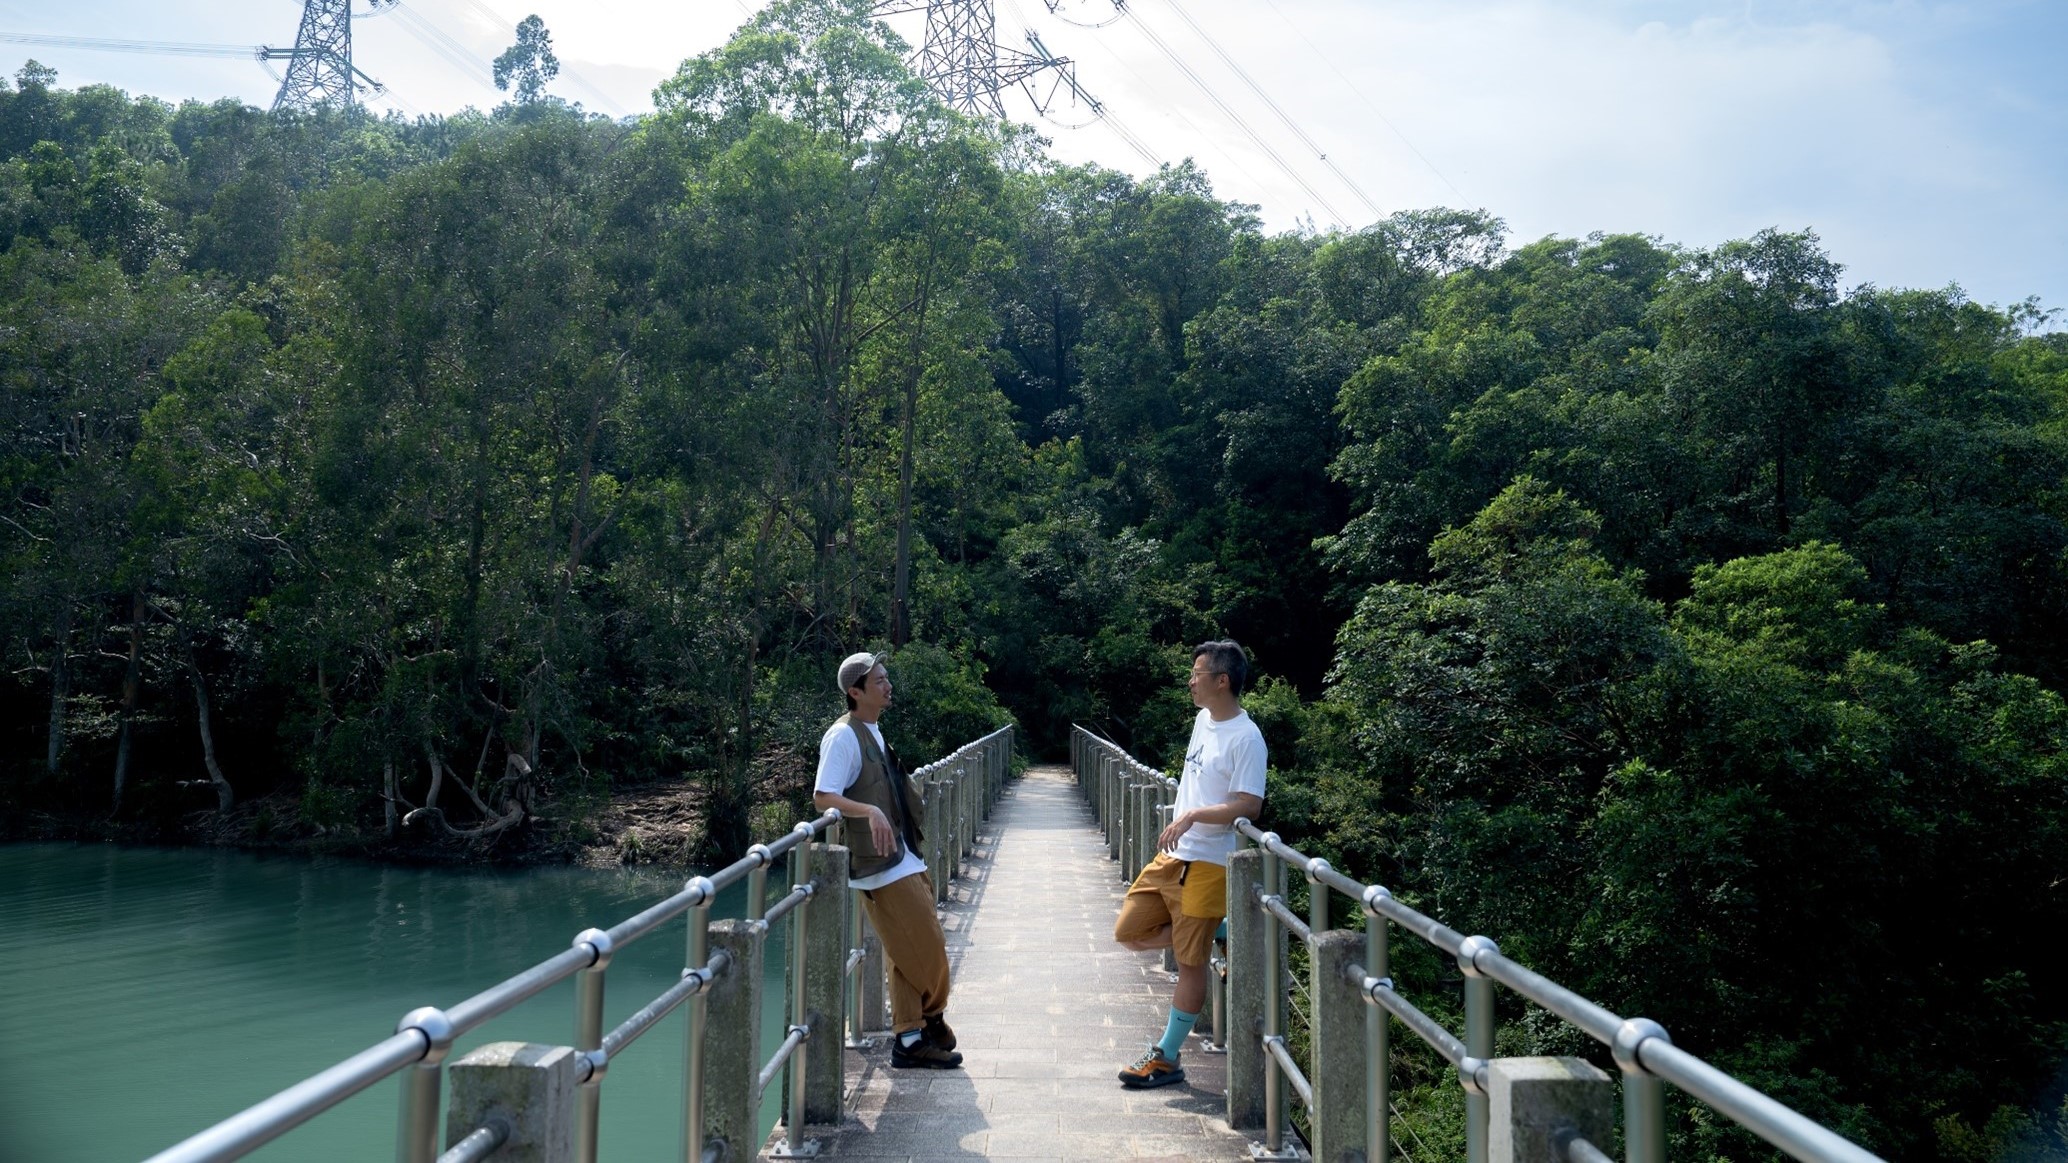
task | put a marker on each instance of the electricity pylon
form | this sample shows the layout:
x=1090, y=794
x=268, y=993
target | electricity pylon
x=962, y=61
x=319, y=66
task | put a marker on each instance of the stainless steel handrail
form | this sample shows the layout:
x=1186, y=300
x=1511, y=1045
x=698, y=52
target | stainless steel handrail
x=426, y=1034
x=1641, y=1049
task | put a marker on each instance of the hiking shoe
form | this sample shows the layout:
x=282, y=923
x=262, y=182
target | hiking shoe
x=1151, y=1069
x=922, y=1055
x=938, y=1033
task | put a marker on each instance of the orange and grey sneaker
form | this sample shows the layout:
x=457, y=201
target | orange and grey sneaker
x=1151, y=1069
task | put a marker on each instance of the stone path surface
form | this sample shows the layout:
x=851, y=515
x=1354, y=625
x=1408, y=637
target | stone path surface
x=1045, y=1009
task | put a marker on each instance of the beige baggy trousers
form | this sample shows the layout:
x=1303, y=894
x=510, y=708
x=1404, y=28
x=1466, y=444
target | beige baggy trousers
x=914, y=951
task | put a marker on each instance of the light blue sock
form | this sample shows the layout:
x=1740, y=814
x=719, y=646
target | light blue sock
x=1175, y=1032
x=909, y=1038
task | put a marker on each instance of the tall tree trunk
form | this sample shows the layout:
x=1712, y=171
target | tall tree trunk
x=901, y=584
x=224, y=794
x=132, y=693
x=60, y=687
x=1781, y=482
x=389, y=792
x=437, y=776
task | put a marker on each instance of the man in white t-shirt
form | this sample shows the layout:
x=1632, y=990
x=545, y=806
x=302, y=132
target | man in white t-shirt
x=1180, y=898
x=860, y=776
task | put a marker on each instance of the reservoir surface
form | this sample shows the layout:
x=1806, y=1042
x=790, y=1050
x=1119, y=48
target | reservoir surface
x=146, y=994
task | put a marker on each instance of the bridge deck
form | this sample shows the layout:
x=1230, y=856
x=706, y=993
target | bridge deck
x=1045, y=1008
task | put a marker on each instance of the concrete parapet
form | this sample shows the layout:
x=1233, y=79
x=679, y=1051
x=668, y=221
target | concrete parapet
x=1244, y=1036
x=1537, y=1103
x=825, y=985
x=1337, y=1073
x=732, y=1049
x=530, y=1087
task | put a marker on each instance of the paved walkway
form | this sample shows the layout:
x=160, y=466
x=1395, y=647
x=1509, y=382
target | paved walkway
x=1045, y=1008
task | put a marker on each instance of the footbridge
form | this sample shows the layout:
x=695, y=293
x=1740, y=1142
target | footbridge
x=1028, y=871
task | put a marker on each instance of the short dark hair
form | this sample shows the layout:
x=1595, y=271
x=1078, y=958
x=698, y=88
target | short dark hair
x=1227, y=657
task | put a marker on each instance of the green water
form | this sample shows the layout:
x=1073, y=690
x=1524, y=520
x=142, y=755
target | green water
x=146, y=994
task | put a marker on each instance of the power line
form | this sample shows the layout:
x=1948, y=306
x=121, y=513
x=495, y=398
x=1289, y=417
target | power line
x=1368, y=103
x=1098, y=108
x=180, y=48
x=602, y=97
x=436, y=39
x=1283, y=116
x=1207, y=90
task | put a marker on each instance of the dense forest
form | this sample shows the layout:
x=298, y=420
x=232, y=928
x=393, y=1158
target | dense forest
x=1692, y=624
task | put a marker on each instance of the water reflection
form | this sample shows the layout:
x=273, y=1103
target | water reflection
x=147, y=993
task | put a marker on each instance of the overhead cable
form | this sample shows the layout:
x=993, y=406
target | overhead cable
x=1283, y=116
x=602, y=98
x=1368, y=103
x=1207, y=90
x=178, y=48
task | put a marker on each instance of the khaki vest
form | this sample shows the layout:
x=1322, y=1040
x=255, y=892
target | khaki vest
x=880, y=785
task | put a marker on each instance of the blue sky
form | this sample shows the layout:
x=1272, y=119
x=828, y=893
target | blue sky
x=1927, y=143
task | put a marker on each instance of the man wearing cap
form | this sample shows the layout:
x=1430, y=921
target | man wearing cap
x=860, y=776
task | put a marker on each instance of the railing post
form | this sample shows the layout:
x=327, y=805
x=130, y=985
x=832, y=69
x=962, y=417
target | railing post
x=825, y=992
x=696, y=955
x=1274, y=1001
x=1378, y=1051
x=936, y=839
x=797, y=1011
x=732, y=1057
x=757, y=883
x=1340, y=1124
x=1245, y=1005
x=1110, y=773
x=972, y=803
x=588, y=1035
x=1644, y=1095
x=1479, y=1044
x=529, y=1087
x=416, y=1132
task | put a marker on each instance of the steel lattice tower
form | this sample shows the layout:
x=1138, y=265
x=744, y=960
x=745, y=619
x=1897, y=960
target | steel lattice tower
x=962, y=61
x=319, y=70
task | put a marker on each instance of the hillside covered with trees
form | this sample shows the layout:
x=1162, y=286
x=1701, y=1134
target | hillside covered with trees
x=1691, y=623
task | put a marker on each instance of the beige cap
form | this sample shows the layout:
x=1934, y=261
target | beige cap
x=856, y=667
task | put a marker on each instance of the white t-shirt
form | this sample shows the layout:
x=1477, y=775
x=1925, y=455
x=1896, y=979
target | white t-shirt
x=1222, y=758
x=840, y=764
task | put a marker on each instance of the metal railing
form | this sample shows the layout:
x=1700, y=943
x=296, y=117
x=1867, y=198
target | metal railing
x=959, y=790
x=1130, y=799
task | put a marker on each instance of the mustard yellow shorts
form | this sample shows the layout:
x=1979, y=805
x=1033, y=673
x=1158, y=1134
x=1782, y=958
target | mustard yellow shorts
x=1189, y=896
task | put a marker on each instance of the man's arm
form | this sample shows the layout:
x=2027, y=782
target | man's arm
x=880, y=833
x=1238, y=806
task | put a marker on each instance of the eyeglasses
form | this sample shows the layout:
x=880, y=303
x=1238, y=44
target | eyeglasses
x=1207, y=673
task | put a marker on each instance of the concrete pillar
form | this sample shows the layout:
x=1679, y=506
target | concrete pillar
x=1244, y=1038
x=1337, y=1072
x=1538, y=1102
x=530, y=1087
x=732, y=1050
x=937, y=837
x=825, y=985
x=874, y=993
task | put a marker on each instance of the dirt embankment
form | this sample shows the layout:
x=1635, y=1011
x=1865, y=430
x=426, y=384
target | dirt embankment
x=657, y=825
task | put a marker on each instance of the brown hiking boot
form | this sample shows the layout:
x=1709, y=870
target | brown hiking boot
x=938, y=1033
